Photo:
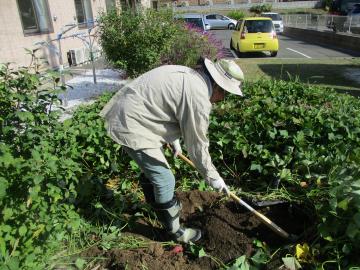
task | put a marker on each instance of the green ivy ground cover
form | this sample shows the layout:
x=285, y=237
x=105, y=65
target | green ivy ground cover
x=53, y=175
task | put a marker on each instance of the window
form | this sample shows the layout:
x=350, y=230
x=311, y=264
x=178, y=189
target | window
x=84, y=14
x=110, y=5
x=261, y=26
x=155, y=5
x=35, y=16
x=197, y=22
x=211, y=17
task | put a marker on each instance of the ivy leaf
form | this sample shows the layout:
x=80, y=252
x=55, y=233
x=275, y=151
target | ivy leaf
x=3, y=186
x=13, y=264
x=352, y=230
x=256, y=167
x=357, y=219
x=80, y=263
x=291, y=263
x=202, y=253
x=240, y=264
x=22, y=230
x=2, y=247
x=284, y=133
x=260, y=257
x=343, y=204
x=7, y=212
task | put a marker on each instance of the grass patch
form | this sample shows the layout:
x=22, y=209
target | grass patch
x=338, y=74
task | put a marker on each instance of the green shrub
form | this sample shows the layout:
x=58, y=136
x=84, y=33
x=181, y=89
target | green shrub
x=258, y=9
x=134, y=41
x=34, y=180
x=144, y=40
x=236, y=14
x=48, y=169
x=288, y=133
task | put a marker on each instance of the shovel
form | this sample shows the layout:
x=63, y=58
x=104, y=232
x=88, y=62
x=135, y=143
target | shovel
x=262, y=217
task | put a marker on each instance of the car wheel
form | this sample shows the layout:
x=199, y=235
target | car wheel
x=273, y=54
x=231, y=45
x=231, y=26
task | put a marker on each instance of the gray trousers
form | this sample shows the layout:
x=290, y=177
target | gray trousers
x=157, y=173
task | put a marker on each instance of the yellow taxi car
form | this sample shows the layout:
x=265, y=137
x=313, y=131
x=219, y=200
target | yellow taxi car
x=255, y=34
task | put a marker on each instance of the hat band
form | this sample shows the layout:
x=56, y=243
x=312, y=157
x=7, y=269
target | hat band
x=222, y=71
x=229, y=75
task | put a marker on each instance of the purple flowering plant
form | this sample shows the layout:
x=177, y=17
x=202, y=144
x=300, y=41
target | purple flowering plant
x=189, y=44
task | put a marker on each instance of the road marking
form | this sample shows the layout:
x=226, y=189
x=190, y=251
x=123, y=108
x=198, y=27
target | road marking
x=298, y=52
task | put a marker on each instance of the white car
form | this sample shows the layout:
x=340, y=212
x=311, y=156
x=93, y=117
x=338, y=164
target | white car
x=217, y=21
x=277, y=20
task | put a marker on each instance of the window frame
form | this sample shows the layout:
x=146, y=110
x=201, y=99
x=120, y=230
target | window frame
x=38, y=31
x=86, y=24
x=238, y=26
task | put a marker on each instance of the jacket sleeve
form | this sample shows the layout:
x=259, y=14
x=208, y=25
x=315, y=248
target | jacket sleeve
x=194, y=122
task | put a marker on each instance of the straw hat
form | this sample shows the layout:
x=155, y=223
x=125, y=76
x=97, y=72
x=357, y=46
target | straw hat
x=227, y=74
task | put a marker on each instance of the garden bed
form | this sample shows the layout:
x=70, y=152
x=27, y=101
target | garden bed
x=228, y=233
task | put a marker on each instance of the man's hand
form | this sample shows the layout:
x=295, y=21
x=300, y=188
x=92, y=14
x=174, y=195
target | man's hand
x=176, y=148
x=218, y=184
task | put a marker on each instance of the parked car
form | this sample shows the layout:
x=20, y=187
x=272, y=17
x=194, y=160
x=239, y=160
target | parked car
x=352, y=22
x=217, y=21
x=197, y=20
x=342, y=7
x=255, y=34
x=277, y=20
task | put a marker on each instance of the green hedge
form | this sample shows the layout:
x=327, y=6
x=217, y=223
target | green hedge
x=140, y=41
x=288, y=133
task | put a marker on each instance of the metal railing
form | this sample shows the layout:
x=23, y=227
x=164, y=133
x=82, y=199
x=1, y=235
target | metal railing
x=345, y=24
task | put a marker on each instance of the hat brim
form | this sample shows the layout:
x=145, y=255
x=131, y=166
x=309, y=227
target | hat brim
x=230, y=85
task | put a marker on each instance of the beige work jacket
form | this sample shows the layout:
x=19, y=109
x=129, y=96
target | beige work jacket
x=161, y=106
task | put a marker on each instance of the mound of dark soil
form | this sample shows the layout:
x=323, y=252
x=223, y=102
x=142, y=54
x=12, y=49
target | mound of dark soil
x=228, y=232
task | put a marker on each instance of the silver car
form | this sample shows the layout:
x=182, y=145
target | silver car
x=217, y=21
x=197, y=20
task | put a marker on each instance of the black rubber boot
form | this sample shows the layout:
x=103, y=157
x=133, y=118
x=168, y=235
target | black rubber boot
x=148, y=189
x=169, y=215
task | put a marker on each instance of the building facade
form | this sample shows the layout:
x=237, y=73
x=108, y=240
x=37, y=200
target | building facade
x=38, y=23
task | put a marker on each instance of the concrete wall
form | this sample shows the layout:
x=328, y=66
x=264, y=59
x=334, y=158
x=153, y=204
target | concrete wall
x=339, y=40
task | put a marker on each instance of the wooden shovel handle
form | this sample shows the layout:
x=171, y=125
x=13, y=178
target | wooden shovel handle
x=262, y=217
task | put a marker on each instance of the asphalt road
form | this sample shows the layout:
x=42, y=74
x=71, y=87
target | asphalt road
x=289, y=48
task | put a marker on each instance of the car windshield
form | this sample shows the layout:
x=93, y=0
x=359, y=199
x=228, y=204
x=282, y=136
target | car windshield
x=274, y=17
x=260, y=26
